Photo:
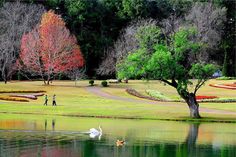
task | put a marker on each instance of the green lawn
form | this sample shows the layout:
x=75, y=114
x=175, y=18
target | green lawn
x=77, y=101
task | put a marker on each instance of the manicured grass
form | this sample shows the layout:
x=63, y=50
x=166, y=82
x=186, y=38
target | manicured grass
x=77, y=101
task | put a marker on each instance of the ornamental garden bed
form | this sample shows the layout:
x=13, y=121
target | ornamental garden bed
x=8, y=98
x=157, y=96
x=225, y=86
x=12, y=96
x=201, y=97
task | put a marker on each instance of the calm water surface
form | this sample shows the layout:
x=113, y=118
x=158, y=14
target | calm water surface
x=32, y=136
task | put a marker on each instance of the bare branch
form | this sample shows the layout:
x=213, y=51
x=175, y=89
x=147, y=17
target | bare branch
x=15, y=19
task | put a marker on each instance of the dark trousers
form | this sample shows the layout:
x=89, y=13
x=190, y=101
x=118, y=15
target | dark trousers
x=54, y=103
x=46, y=102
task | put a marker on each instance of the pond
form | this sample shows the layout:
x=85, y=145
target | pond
x=48, y=136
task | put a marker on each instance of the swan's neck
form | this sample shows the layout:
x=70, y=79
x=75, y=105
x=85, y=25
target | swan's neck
x=100, y=129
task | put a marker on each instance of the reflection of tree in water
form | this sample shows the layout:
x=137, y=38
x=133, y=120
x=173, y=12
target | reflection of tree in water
x=192, y=138
x=45, y=125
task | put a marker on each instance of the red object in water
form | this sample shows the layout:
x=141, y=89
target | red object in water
x=199, y=97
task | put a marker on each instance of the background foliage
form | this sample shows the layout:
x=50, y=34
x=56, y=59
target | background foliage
x=97, y=24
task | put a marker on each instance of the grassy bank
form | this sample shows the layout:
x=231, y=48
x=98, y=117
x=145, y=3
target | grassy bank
x=78, y=101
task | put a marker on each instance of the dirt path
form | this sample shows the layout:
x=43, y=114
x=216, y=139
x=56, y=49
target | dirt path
x=98, y=92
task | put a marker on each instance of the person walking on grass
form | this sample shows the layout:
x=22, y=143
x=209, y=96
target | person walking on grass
x=45, y=100
x=54, y=100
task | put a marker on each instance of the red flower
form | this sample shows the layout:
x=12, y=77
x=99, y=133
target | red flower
x=199, y=97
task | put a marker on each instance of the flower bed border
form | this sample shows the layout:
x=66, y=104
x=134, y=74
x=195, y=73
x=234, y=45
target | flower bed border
x=135, y=93
x=21, y=97
x=222, y=86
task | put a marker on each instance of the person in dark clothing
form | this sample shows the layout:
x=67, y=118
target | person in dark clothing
x=46, y=100
x=54, y=100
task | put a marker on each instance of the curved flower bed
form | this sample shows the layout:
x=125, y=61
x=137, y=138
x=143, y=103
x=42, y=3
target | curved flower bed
x=8, y=98
x=201, y=99
x=158, y=95
x=139, y=95
x=25, y=96
x=218, y=100
x=225, y=86
x=21, y=97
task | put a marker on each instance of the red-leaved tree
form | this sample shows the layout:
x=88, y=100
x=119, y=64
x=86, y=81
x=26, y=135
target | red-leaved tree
x=50, y=49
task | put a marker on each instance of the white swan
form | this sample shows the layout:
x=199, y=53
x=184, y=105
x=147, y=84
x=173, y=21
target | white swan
x=94, y=132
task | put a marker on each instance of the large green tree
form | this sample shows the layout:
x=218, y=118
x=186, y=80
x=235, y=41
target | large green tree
x=174, y=62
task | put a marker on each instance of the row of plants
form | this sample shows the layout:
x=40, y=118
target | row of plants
x=158, y=96
x=139, y=95
x=218, y=100
x=103, y=83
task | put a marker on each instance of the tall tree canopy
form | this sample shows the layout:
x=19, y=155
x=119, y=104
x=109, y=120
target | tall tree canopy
x=205, y=17
x=50, y=48
x=98, y=24
x=170, y=61
x=15, y=19
x=127, y=42
x=209, y=22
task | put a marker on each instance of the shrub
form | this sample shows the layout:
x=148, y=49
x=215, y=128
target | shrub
x=158, y=95
x=126, y=80
x=60, y=76
x=104, y=83
x=91, y=82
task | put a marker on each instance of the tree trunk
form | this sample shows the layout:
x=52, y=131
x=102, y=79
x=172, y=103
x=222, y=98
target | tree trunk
x=193, y=105
x=4, y=76
x=48, y=79
x=225, y=64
